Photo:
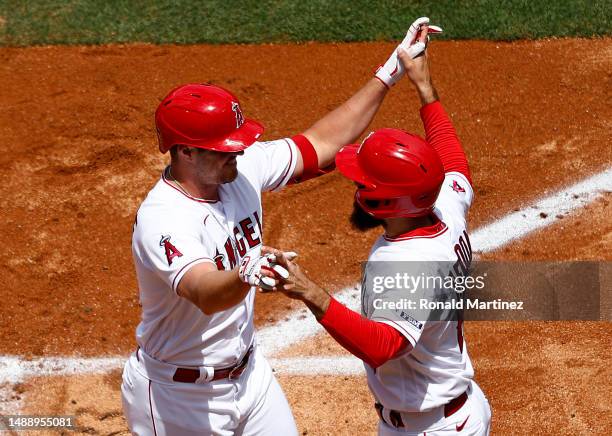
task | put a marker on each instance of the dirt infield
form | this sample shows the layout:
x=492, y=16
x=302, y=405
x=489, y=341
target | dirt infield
x=79, y=150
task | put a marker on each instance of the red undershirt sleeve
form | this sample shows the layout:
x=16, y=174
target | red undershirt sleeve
x=441, y=135
x=373, y=342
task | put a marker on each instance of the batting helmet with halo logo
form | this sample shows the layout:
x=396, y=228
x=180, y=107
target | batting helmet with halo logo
x=397, y=173
x=204, y=116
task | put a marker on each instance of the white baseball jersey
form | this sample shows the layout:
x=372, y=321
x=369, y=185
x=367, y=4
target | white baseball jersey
x=438, y=367
x=174, y=231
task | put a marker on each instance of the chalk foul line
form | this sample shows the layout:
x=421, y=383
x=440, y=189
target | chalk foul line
x=542, y=213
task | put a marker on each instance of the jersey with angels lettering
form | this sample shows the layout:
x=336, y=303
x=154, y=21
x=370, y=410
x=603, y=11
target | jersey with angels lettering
x=438, y=367
x=174, y=231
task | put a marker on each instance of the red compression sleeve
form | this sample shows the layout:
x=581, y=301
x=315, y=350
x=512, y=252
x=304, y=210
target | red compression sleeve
x=441, y=135
x=373, y=342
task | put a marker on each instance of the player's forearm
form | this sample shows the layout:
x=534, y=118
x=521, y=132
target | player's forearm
x=346, y=123
x=441, y=135
x=219, y=290
x=373, y=342
x=427, y=92
x=317, y=300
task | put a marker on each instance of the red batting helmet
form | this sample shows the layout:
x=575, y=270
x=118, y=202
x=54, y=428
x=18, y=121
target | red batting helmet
x=204, y=116
x=398, y=174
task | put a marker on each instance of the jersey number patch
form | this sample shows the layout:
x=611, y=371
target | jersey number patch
x=463, y=250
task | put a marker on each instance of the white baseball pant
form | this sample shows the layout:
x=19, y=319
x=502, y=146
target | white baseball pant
x=252, y=404
x=472, y=419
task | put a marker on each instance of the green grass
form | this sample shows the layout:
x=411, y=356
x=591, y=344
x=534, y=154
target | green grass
x=31, y=22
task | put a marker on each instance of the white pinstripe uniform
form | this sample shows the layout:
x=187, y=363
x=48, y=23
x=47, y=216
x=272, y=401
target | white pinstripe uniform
x=173, y=232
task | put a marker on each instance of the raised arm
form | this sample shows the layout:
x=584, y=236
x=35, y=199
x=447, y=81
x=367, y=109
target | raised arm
x=319, y=144
x=346, y=123
x=439, y=129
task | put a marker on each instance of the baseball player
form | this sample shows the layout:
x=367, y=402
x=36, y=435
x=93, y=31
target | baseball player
x=418, y=369
x=197, y=252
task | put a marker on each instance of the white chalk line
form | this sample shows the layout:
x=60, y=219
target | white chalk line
x=300, y=325
x=542, y=213
x=14, y=368
x=318, y=365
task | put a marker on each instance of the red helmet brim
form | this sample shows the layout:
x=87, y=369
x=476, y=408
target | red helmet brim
x=348, y=165
x=242, y=138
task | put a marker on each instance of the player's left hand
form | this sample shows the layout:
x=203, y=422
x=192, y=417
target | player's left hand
x=417, y=69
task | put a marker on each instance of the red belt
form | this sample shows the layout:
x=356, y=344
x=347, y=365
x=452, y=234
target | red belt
x=190, y=375
x=396, y=417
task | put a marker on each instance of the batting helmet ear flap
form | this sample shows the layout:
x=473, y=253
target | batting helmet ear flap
x=397, y=174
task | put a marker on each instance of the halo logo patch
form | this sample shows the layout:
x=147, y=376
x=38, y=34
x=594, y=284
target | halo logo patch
x=457, y=187
x=239, y=116
x=219, y=258
x=171, y=250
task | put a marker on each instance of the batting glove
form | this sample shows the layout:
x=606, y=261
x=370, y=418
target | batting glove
x=250, y=271
x=251, y=267
x=391, y=71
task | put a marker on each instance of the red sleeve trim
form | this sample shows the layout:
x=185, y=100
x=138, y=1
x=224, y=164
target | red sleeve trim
x=373, y=342
x=309, y=159
x=441, y=135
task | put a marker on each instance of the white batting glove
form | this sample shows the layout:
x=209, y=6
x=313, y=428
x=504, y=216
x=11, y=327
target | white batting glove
x=250, y=272
x=392, y=71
